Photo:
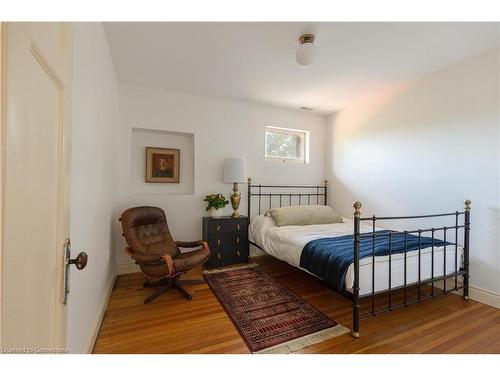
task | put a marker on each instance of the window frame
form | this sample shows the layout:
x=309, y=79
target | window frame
x=303, y=134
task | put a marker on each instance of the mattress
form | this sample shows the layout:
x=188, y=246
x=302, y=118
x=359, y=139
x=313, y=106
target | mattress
x=286, y=243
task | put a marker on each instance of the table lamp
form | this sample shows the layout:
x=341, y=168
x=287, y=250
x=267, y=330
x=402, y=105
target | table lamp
x=235, y=170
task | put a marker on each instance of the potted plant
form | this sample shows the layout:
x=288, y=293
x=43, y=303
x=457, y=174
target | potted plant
x=216, y=202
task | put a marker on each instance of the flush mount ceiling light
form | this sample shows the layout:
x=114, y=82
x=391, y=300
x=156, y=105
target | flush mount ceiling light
x=306, y=52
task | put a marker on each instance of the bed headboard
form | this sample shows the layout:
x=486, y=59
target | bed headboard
x=266, y=197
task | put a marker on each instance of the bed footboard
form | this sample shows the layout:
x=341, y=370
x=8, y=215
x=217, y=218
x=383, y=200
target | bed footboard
x=457, y=272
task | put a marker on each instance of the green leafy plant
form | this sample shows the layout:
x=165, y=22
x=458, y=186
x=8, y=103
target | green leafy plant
x=215, y=201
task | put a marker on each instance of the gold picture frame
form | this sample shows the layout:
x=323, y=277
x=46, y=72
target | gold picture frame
x=162, y=165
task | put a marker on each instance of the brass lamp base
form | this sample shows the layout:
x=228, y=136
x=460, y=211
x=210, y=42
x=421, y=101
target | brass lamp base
x=235, y=201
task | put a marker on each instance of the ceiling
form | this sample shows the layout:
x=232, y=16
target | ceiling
x=256, y=61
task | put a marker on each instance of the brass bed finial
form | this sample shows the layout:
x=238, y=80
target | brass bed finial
x=357, y=208
x=249, y=179
x=467, y=204
x=325, y=182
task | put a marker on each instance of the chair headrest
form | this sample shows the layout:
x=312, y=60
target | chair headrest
x=143, y=215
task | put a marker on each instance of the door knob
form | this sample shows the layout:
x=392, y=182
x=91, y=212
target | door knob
x=80, y=261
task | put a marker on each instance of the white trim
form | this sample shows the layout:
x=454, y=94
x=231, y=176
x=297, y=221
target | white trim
x=2, y=151
x=124, y=268
x=476, y=294
x=303, y=134
x=88, y=345
x=484, y=296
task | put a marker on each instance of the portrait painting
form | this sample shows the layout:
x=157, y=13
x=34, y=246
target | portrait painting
x=162, y=165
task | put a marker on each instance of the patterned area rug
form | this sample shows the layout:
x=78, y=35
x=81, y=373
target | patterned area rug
x=269, y=317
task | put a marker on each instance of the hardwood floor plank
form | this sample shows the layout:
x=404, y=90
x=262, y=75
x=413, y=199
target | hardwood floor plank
x=171, y=324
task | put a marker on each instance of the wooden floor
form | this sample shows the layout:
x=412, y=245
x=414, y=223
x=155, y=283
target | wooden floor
x=172, y=324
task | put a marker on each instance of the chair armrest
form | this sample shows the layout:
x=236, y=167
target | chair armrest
x=189, y=244
x=128, y=251
x=203, y=244
x=167, y=259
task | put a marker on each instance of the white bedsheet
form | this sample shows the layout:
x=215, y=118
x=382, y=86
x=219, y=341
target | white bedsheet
x=286, y=243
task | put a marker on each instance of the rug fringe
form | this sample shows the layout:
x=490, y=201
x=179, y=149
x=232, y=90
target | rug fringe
x=230, y=268
x=302, y=342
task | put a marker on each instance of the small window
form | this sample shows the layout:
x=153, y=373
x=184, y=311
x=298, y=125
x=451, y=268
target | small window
x=287, y=144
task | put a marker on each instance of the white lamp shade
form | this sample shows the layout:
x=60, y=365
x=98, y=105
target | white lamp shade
x=235, y=170
x=306, y=54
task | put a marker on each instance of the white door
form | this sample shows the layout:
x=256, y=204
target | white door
x=36, y=79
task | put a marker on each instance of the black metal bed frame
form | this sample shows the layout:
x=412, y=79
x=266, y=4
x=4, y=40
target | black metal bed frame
x=321, y=191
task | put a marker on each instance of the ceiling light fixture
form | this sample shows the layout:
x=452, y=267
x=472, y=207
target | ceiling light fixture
x=306, y=53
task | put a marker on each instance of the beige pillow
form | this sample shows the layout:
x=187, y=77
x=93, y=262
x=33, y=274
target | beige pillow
x=305, y=215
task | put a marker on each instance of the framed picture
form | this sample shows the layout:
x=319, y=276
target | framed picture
x=162, y=165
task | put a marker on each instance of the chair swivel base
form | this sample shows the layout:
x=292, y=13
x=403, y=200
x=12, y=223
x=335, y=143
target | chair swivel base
x=167, y=283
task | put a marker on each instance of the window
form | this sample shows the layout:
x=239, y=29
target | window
x=287, y=144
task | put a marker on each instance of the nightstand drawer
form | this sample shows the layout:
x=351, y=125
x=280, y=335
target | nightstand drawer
x=240, y=253
x=227, y=226
x=218, y=241
x=227, y=241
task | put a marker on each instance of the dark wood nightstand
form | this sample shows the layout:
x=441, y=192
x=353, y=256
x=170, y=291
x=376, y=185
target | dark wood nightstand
x=228, y=240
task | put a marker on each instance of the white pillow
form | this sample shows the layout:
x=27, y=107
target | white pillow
x=305, y=215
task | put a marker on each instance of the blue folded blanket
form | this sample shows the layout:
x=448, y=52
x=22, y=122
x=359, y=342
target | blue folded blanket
x=330, y=257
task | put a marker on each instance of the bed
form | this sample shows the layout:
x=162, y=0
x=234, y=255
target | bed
x=424, y=256
x=286, y=243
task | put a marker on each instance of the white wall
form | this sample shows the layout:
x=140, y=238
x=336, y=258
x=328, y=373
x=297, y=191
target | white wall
x=424, y=148
x=221, y=128
x=95, y=116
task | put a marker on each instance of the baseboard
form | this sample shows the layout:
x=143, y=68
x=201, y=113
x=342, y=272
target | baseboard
x=88, y=346
x=484, y=296
x=476, y=294
x=255, y=251
x=124, y=268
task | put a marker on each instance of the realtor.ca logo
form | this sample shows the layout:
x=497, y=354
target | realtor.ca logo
x=34, y=350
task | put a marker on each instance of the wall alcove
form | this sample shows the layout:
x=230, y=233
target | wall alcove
x=142, y=138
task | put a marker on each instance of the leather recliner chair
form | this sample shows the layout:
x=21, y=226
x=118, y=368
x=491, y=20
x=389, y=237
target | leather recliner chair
x=152, y=247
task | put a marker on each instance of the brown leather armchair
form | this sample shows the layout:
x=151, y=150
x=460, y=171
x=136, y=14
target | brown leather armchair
x=152, y=247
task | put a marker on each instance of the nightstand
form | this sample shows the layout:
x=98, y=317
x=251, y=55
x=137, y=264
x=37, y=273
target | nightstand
x=228, y=240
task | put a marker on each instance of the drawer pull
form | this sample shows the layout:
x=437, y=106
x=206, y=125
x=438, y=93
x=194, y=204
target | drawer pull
x=237, y=252
x=218, y=255
x=238, y=226
x=218, y=242
x=237, y=240
x=218, y=228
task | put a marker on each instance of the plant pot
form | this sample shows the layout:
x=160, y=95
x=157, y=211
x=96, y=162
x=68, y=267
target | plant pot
x=215, y=213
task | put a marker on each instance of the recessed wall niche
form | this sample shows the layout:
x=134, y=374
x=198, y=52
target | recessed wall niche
x=142, y=138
